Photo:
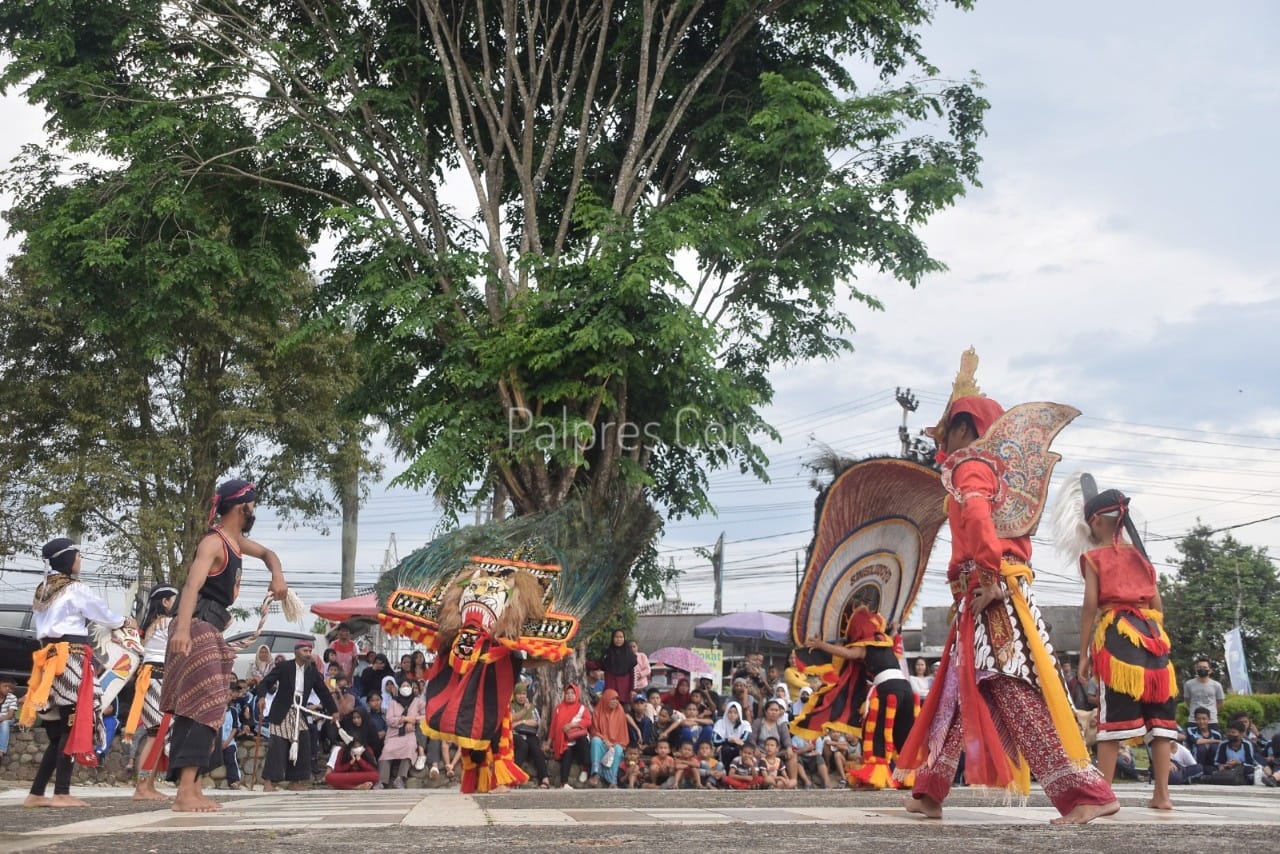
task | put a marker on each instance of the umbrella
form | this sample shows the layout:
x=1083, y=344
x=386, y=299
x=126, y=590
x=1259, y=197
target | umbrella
x=746, y=625
x=365, y=605
x=679, y=658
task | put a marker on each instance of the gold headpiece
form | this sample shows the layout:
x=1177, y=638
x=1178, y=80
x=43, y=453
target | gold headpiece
x=964, y=386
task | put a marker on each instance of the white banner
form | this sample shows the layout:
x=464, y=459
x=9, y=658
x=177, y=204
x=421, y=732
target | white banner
x=1237, y=667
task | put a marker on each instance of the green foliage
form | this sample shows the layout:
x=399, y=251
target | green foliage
x=1200, y=602
x=1236, y=704
x=666, y=202
x=1270, y=709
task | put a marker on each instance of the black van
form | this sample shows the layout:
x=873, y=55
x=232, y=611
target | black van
x=17, y=642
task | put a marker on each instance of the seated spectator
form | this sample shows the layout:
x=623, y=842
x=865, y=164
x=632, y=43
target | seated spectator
x=1126, y=768
x=730, y=733
x=1250, y=730
x=634, y=771
x=653, y=702
x=798, y=706
x=783, y=695
x=696, y=726
x=609, y=737
x=1234, y=761
x=669, y=723
x=643, y=734
x=810, y=761
x=595, y=682
x=377, y=722
x=794, y=677
x=751, y=671
x=771, y=726
x=1271, y=762
x=1203, y=738
x=662, y=766
x=839, y=752
x=526, y=741
x=1183, y=767
x=706, y=685
x=680, y=696
x=740, y=693
x=8, y=712
x=569, y=735
x=352, y=770
x=686, y=769
x=774, y=767
x=710, y=770
x=744, y=772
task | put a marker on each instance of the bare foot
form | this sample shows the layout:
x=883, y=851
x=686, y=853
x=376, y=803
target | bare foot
x=149, y=795
x=213, y=805
x=66, y=801
x=34, y=801
x=1086, y=813
x=192, y=803
x=269, y=786
x=364, y=787
x=924, y=805
x=1163, y=803
x=498, y=790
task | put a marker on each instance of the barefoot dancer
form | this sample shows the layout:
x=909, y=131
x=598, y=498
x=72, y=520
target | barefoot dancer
x=198, y=663
x=145, y=711
x=63, y=688
x=998, y=696
x=1127, y=649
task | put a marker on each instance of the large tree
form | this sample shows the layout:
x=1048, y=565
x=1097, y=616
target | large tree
x=1217, y=583
x=573, y=237
x=149, y=329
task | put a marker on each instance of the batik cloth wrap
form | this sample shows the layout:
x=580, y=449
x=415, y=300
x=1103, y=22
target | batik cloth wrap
x=63, y=674
x=999, y=698
x=144, y=711
x=195, y=684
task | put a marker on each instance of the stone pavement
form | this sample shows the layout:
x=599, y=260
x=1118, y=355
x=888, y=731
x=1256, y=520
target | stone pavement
x=556, y=819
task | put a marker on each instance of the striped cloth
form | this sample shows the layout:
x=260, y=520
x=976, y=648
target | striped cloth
x=195, y=684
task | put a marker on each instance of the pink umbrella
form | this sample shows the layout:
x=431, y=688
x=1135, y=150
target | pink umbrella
x=679, y=658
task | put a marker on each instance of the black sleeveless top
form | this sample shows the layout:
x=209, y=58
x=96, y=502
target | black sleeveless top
x=880, y=659
x=220, y=586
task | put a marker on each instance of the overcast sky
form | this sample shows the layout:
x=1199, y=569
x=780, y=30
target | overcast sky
x=1119, y=257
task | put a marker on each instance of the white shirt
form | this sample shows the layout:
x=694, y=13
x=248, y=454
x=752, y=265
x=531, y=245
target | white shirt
x=157, y=641
x=71, y=611
x=1181, y=756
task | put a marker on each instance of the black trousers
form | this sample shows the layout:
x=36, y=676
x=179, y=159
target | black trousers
x=529, y=747
x=191, y=745
x=55, y=762
x=580, y=752
x=276, y=767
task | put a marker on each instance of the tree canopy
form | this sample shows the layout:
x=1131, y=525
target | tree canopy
x=572, y=238
x=1213, y=579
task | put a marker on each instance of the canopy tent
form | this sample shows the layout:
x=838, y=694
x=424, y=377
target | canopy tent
x=364, y=605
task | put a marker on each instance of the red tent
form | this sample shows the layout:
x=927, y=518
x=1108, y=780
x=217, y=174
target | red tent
x=365, y=605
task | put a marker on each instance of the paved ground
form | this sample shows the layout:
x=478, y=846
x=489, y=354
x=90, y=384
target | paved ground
x=1206, y=818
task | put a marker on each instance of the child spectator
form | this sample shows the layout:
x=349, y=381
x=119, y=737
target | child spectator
x=633, y=772
x=710, y=770
x=687, y=766
x=110, y=723
x=344, y=650
x=643, y=733
x=1234, y=760
x=774, y=767
x=1271, y=763
x=663, y=765
x=810, y=760
x=1203, y=738
x=730, y=732
x=839, y=752
x=697, y=724
x=230, y=757
x=744, y=771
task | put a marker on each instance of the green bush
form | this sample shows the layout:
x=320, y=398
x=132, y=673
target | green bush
x=1237, y=703
x=1270, y=708
x=1183, y=715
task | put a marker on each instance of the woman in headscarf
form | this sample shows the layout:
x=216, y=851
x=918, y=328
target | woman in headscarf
x=570, y=738
x=352, y=770
x=62, y=689
x=262, y=663
x=609, y=737
x=680, y=697
x=730, y=733
x=525, y=726
x=619, y=663
x=401, y=745
x=145, y=710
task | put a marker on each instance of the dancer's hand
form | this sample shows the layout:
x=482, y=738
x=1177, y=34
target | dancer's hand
x=984, y=595
x=1085, y=669
x=278, y=588
x=180, y=641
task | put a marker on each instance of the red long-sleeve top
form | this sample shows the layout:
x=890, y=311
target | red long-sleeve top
x=973, y=534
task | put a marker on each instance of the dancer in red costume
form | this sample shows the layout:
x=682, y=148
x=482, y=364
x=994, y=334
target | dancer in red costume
x=998, y=696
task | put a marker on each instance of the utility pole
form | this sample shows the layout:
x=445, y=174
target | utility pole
x=909, y=403
x=717, y=572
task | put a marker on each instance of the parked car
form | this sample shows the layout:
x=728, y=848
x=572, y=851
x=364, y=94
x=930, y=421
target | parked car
x=17, y=642
x=280, y=643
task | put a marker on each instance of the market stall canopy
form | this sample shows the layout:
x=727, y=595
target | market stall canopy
x=365, y=605
x=746, y=625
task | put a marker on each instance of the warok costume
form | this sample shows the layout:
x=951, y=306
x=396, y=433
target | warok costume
x=482, y=620
x=998, y=695
x=1128, y=645
x=64, y=692
x=876, y=528
x=289, y=749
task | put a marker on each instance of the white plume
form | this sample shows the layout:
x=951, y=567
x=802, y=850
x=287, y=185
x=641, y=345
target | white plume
x=292, y=607
x=1070, y=530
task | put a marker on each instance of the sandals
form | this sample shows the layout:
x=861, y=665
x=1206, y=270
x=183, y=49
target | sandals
x=546, y=783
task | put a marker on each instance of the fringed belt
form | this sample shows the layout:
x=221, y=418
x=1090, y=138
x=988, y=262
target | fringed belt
x=972, y=576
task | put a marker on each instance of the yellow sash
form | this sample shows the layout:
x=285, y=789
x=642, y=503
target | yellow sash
x=47, y=664
x=139, y=701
